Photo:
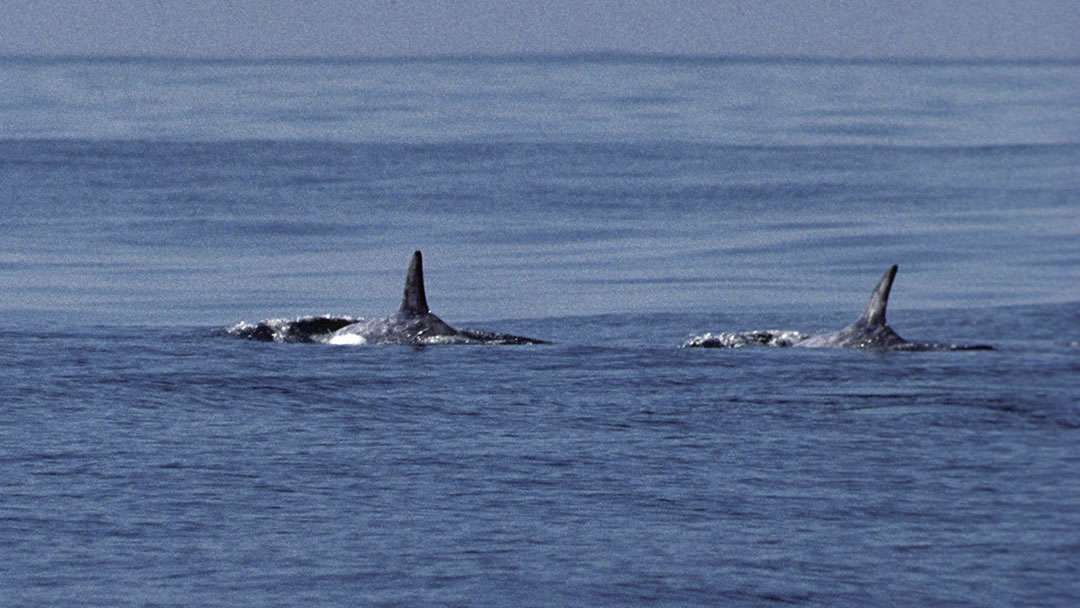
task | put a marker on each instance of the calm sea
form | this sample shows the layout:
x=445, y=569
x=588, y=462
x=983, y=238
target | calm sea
x=613, y=205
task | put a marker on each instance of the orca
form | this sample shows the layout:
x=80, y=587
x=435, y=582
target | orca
x=871, y=331
x=413, y=323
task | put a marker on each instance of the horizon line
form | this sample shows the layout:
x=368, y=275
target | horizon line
x=509, y=57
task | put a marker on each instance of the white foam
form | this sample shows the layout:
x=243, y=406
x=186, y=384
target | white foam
x=767, y=337
x=346, y=339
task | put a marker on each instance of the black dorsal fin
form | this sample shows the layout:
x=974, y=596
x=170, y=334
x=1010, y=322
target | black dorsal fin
x=414, y=299
x=875, y=309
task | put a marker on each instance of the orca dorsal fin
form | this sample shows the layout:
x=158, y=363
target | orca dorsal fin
x=875, y=309
x=414, y=300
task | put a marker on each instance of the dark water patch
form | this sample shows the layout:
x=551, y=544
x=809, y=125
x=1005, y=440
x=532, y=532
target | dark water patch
x=862, y=129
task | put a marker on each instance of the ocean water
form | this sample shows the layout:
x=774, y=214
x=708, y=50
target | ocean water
x=615, y=206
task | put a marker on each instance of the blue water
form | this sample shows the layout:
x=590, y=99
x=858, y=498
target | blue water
x=615, y=206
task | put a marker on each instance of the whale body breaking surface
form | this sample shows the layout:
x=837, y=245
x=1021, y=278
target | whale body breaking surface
x=869, y=331
x=412, y=324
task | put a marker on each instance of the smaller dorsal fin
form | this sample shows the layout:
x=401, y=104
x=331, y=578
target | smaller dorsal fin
x=414, y=299
x=875, y=309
